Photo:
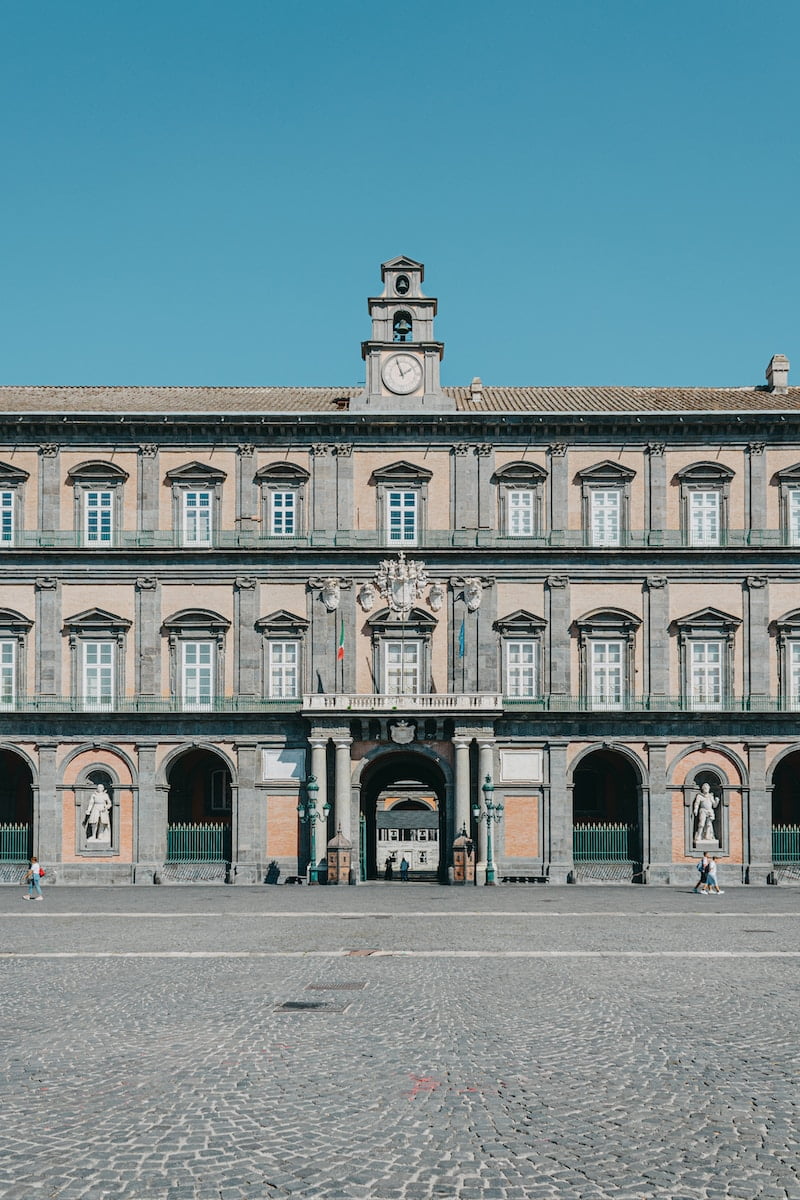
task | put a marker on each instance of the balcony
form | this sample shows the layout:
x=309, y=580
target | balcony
x=382, y=703
x=371, y=539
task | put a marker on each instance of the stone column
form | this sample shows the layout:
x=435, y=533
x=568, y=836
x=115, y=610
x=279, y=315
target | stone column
x=558, y=814
x=758, y=640
x=250, y=820
x=49, y=487
x=758, y=486
x=48, y=637
x=559, y=487
x=485, y=767
x=247, y=513
x=465, y=487
x=147, y=489
x=657, y=836
x=342, y=798
x=147, y=636
x=47, y=808
x=557, y=644
x=150, y=819
x=246, y=663
x=343, y=481
x=323, y=506
x=657, y=489
x=657, y=646
x=487, y=502
x=463, y=815
x=757, y=818
x=319, y=769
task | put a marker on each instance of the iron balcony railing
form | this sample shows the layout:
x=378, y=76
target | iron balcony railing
x=369, y=702
x=605, y=842
x=14, y=843
x=196, y=843
x=427, y=539
x=786, y=843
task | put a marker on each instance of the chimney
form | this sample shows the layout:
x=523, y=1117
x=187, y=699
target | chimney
x=778, y=373
x=476, y=391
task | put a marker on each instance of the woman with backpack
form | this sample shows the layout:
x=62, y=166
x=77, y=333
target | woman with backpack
x=34, y=880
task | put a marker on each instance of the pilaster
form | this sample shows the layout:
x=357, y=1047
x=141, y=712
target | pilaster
x=324, y=503
x=342, y=456
x=47, y=808
x=757, y=818
x=757, y=635
x=150, y=827
x=757, y=485
x=657, y=487
x=250, y=823
x=558, y=645
x=245, y=636
x=557, y=841
x=147, y=638
x=147, y=488
x=657, y=656
x=48, y=637
x=657, y=821
x=464, y=503
x=247, y=514
x=49, y=486
x=559, y=487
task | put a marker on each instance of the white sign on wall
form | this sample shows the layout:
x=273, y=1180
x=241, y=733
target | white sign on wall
x=282, y=763
x=520, y=766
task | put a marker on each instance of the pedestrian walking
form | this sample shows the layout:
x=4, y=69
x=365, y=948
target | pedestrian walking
x=713, y=885
x=702, y=866
x=388, y=872
x=34, y=880
x=404, y=864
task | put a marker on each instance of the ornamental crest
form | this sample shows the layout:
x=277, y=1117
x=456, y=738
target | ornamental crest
x=401, y=583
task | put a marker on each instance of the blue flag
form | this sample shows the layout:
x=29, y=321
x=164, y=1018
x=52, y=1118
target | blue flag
x=461, y=640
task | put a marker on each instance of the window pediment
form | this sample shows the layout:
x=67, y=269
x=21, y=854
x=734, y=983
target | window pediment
x=608, y=620
x=283, y=472
x=97, y=471
x=282, y=623
x=417, y=621
x=606, y=472
x=196, y=621
x=196, y=473
x=519, y=623
x=12, y=475
x=12, y=621
x=401, y=472
x=705, y=472
x=708, y=619
x=520, y=473
x=787, y=475
x=788, y=625
x=96, y=620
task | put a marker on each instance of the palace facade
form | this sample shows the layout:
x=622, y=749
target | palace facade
x=260, y=617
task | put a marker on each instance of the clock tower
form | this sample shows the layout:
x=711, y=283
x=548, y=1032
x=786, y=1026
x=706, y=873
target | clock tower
x=402, y=359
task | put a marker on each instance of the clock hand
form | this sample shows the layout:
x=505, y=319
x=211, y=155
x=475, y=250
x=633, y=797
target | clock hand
x=400, y=369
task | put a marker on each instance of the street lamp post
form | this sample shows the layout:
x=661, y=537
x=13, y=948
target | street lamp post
x=492, y=813
x=309, y=815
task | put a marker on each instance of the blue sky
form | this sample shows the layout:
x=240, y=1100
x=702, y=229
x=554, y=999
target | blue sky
x=199, y=191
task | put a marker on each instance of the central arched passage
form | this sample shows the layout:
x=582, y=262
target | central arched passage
x=403, y=817
x=16, y=808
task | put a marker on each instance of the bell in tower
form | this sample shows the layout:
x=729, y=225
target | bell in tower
x=408, y=379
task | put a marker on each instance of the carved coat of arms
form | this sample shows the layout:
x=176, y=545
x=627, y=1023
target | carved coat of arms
x=401, y=583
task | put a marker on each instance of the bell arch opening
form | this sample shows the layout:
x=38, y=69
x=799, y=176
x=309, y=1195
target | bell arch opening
x=403, y=817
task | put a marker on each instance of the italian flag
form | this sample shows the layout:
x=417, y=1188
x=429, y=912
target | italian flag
x=340, y=646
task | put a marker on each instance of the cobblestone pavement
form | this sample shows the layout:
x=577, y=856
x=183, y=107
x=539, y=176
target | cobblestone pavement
x=435, y=1043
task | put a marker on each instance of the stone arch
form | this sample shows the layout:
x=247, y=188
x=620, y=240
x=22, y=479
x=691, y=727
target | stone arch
x=608, y=784
x=18, y=786
x=82, y=769
x=783, y=786
x=711, y=749
x=169, y=760
x=419, y=828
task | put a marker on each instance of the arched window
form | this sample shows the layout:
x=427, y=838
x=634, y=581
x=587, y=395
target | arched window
x=520, y=499
x=605, y=489
x=97, y=490
x=283, y=499
x=705, y=488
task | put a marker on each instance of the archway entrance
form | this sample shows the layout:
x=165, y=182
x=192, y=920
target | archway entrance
x=16, y=808
x=403, y=817
x=199, y=808
x=605, y=802
x=786, y=810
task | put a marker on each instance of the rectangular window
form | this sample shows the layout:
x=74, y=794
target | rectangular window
x=8, y=672
x=197, y=518
x=794, y=673
x=98, y=674
x=403, y=661
x=705, y=671
x=197, y=674
x=7, y=518
x=402, y=515
x=520, y=513
x=704, y=518
x=283, y=514
x=98, y=517
x=606, y=674
x=521, y=668
x=606, y=509
x=794, y=516
x=283, y=664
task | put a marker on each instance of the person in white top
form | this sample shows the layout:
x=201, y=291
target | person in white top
x=33, y=878
x=713, y=886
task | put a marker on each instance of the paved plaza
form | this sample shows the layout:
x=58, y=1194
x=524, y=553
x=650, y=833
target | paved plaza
x=400, y=1042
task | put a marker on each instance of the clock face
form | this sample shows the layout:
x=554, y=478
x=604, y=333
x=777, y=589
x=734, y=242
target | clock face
x=402, y=373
